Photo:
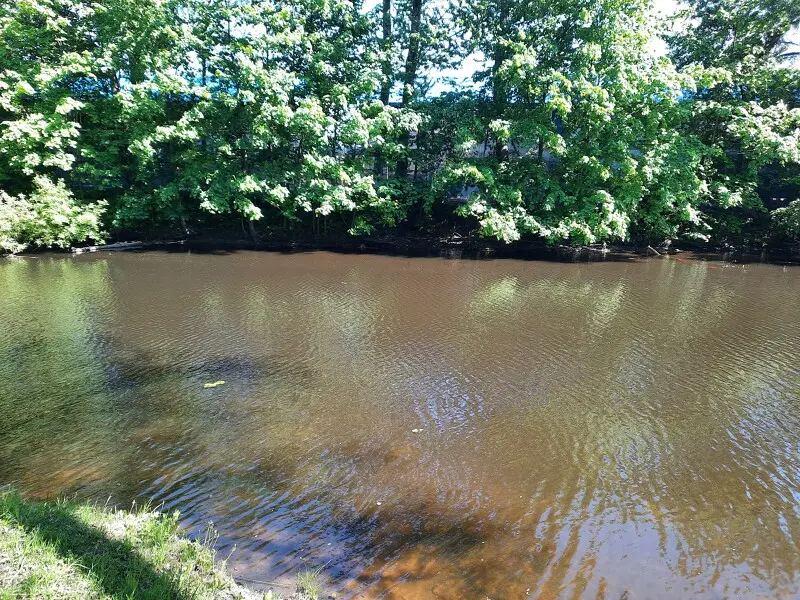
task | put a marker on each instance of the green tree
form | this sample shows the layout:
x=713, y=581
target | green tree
x=744, y=106
x=219, y=112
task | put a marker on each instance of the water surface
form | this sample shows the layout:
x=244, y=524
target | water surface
x=592, y=430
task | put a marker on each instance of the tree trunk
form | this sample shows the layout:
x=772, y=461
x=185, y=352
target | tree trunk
x=410, y=76
x=540, y=150
x=386, y=83
x=252, y=227
x=499, y=87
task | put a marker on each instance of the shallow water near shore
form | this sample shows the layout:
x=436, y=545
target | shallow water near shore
x=423, y=427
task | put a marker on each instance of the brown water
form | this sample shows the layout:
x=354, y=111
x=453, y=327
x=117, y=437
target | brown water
x=601, y=430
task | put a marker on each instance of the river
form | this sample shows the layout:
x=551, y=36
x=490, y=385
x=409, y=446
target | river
x=423, y=427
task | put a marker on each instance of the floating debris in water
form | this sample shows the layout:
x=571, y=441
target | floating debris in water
x=214, y=384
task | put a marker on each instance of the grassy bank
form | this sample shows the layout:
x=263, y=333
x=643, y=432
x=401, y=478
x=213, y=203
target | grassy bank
x=69, y=550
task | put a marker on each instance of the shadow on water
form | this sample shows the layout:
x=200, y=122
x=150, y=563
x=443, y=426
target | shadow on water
x=114, y=565
x=362, y=547
x=475, y=249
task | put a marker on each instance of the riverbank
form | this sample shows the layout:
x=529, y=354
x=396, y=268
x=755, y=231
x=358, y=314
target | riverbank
x=449, y=242
x=71, y=550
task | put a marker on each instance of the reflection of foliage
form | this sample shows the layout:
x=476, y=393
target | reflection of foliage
x=500, y=293
x=51, y=377
x=567, y=410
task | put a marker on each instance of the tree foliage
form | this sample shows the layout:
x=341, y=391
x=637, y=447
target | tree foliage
x=318, y=113
x=47, y=217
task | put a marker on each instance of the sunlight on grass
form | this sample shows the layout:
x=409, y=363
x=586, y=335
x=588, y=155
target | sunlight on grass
x=75, y=551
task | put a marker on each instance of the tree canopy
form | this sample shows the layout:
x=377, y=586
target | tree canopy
x=317, y=114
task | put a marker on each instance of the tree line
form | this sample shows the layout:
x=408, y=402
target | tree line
x=321, y=115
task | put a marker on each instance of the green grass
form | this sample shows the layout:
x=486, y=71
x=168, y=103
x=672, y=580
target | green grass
x=309, y=584
x=67, y=550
